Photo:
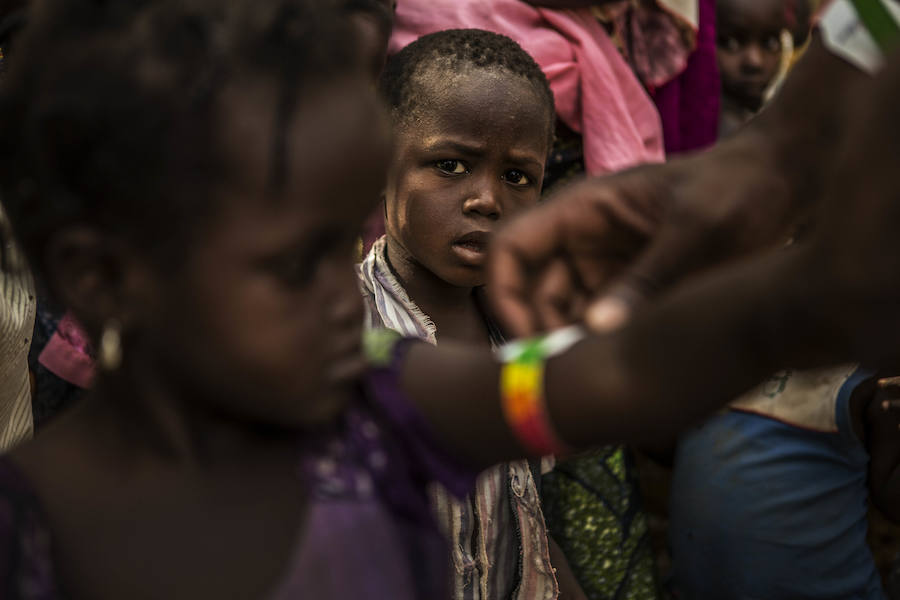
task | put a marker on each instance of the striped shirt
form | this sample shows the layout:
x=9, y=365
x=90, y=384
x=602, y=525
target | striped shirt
x=16, y=326
x=498, y=537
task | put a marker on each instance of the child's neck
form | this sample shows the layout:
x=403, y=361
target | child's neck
x=155, y=417
x=452, y=308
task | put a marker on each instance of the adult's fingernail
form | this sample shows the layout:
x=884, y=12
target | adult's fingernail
x=607, y=315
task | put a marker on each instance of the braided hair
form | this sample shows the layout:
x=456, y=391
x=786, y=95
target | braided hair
x=108, y=114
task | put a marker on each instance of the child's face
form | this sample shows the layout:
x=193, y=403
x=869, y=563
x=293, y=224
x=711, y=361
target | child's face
x=749, y=47
x=472, y=155
x=263, y=318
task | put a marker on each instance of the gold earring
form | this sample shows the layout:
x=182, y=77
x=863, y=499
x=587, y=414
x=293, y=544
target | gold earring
x=111, y=346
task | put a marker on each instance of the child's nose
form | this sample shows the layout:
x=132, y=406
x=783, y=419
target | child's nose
x=485, y=200
x=753, y=57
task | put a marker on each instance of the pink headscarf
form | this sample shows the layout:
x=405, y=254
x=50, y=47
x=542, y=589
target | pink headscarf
x=596, y=93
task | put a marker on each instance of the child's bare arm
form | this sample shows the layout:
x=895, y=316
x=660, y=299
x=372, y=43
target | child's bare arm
x=883, y=440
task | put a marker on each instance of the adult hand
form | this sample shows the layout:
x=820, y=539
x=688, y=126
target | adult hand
x=603, y=246
x=626, y=237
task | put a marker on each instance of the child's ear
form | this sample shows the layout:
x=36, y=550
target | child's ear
x=96, y=277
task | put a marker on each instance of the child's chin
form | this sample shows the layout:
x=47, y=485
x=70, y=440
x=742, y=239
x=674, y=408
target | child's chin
x=468, y=278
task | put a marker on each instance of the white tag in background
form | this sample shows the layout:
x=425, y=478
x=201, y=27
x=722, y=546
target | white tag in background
x=844, y=34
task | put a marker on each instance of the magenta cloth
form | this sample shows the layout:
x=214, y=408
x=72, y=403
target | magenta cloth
x=596, y=93
x=67, y=354
x=689, y=104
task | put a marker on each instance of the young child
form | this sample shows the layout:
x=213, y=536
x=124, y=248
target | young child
x=750, y=52
x=473, y=120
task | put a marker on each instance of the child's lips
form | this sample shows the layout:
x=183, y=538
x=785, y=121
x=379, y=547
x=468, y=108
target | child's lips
x=472, y=247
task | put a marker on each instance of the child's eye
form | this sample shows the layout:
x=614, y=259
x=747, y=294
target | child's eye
x=730, y=43
x=297, y=268
x=516, y=177
x=773, y=44
x=294, y=271
x=451, y=167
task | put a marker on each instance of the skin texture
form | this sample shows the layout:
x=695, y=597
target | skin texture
x=253, y=337
x=471, y=156
x=748, y=48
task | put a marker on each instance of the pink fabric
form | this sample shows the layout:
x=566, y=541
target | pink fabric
x=67, y=354
x=596, y=93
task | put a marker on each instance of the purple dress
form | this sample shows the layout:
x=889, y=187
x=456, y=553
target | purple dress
x=369, y=532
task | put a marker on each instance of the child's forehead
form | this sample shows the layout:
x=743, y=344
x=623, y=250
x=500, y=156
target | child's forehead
x=750, y=14
x=482, y=105
x=438, y=88
x=318, y=125
x=331, y=133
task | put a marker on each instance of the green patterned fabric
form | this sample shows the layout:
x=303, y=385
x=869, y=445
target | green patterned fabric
x=378, y=345
x=592, y=508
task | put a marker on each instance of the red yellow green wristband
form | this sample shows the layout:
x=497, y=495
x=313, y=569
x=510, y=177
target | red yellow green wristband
x=522, y=389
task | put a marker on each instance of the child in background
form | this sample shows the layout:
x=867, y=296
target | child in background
x=473, y=121
x=750, y=52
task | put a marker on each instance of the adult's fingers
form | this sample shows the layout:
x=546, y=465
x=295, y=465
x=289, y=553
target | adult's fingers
x=509, y=291
x=673, y=254
x=594, y=227
x=520, y=252
x=555, y=295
